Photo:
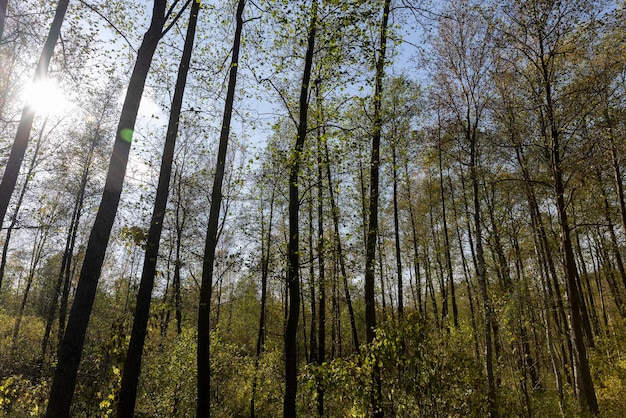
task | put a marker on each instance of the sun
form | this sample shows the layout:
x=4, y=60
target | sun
x=46, y=97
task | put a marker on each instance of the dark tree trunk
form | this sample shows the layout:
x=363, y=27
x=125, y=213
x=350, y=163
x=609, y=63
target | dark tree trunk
x=584, y=384
x=13, y=164
x=321, y=264
x=204, y=309
x=488, y=321
x=266, y=251
x=132, y=364
x=372, y=225
x=416, y=259
x=293, y=252
x=396, y=227
x=446, y=235
x=342, y=262
x=3, y=15
x=71, y=348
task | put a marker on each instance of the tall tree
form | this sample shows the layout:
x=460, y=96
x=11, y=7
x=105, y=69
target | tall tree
x=208, y=259
x=462, y=51
x=71, y=347
x=12, y=168
x=132, y=365
x=293, y=244
x=372, y=224
x=552, y=27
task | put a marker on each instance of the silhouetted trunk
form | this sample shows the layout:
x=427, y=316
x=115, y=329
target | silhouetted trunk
x=471, y=137
x=583, y=383
x=617, y=172
x=342, y=262
x=321, y=264
x=446, y=235
x=204, y=309
x=396, y=227
x=293, y=252
x=13, y=164
x=372, y=225
x=132, y=364
x=416, y=259
x=266, y=251
x=71, y=348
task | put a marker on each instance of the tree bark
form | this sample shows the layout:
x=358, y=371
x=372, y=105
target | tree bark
x=132, y=364
x=372, y=225
x=203, y=406
x=293, y=252
x=71, y=348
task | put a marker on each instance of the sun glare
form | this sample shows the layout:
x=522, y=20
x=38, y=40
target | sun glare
x=46, y=97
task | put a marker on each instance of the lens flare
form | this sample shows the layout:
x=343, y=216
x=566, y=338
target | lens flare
x=46, y=97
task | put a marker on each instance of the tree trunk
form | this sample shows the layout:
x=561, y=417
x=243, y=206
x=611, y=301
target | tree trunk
x=449, y=270
x=488, y=320
x=71, y=348
x=396, y=227
x=266, y=251
x=13, y=164
x=293, y=252
x=584, y=384
x=3, y=15
x=132, y=364
x=208, y=260
x=372, y=225
x=342, y=262
x=18, y=204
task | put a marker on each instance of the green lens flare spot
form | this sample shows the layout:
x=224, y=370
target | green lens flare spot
x=126, y=134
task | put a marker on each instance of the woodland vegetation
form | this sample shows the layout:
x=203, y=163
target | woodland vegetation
x=313, y=208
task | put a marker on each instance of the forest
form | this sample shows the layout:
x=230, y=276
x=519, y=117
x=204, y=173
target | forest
x=401, y=208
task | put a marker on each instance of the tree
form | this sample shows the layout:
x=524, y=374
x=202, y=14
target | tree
x=71, y=348
x=293, y=243
x=462, y=49
x=552, y=27
x=208, y=259
x=372, y=224
x=132, y=365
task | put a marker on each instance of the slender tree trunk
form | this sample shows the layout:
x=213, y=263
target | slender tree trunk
x=584, y=384
x=446, y=235
x=416, y=262
x=68, y=253
x=342, y=263
x=488, y=321
x=396, y=226
x=372, y=225
x=293, y=252
x=18, y=204
x=38, y=246
x=71, y=348
x=132, y=364
x=3, y=15
x=266, y=251
x=13, y=164
x=204, y=310
x=321, y=260
x=617, y=172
